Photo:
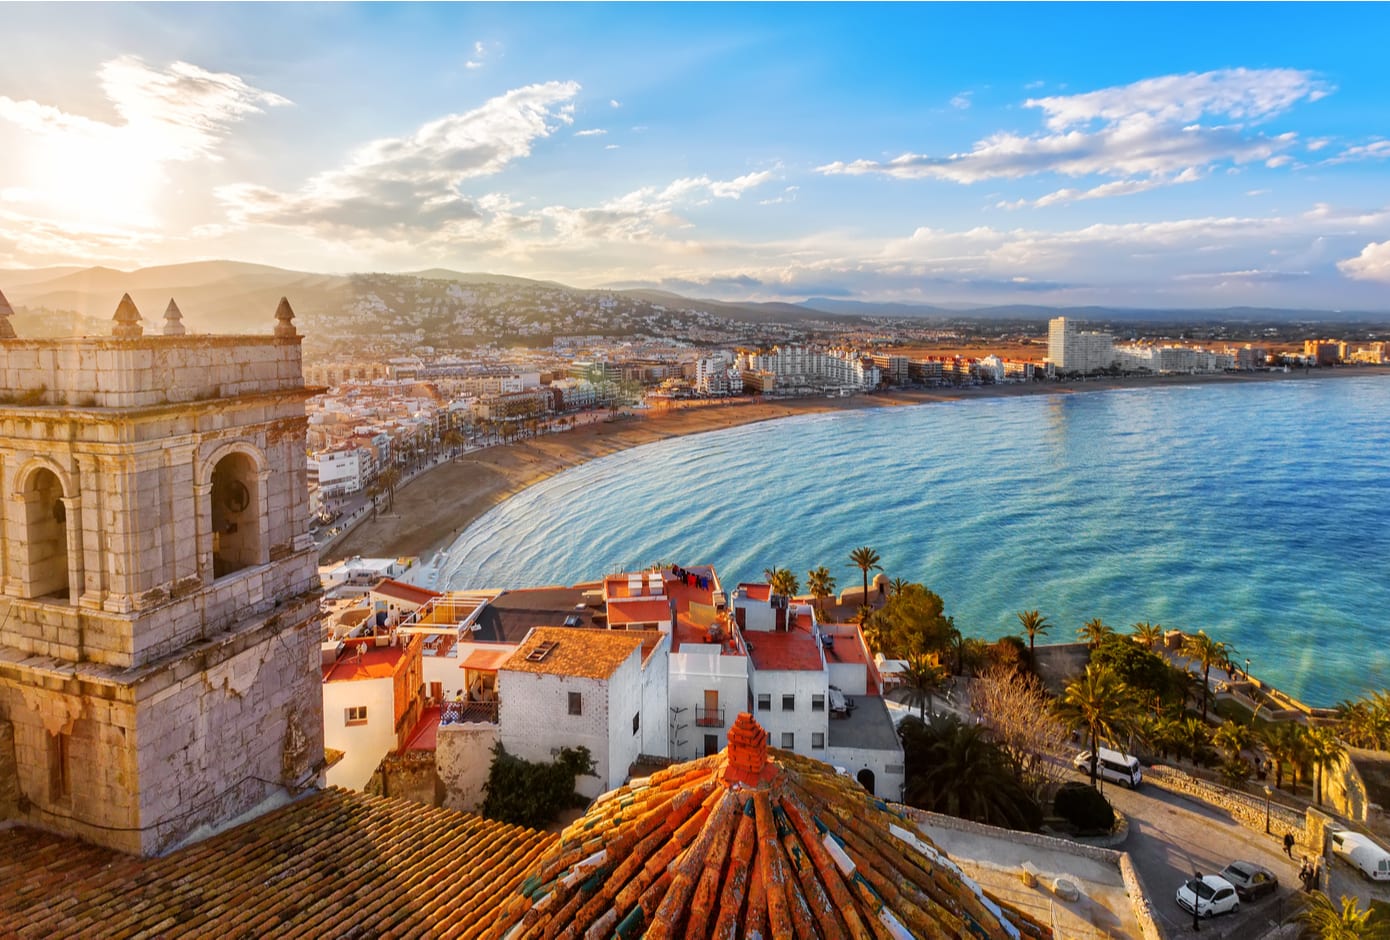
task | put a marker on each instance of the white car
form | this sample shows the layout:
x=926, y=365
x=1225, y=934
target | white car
x=1211, y=896
x=1366, y=856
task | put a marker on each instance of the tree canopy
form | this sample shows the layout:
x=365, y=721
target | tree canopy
x=911, y=623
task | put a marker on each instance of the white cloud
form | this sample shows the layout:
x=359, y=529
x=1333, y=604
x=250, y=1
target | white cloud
x=612, y=147
x=591, y=132
x=1375, y=150
x=1317, y=143
x=412, y=183
x=1282, y=160
x=734, y=188
x=1373, y=264
x=78, y=170
x=961, y=101
x=472, y=64
x=614, y=103
x=1148, y=133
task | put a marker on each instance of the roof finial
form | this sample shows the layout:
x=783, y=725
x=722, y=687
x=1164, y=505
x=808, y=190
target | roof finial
x=285, y=316
x=6, y=311
x=127, y=318
x=747, y=752
x=173, y=320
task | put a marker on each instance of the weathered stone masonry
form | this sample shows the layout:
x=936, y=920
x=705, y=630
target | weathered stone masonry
x=158, y=589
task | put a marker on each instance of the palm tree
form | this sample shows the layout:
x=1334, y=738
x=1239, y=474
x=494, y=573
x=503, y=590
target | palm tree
x=1207, y=652
x=821, y=583
x=1233, y=737
x=1094, y=631
x=1195, y=734
x=1283, y=742
x=953, y=767
x=922, y=678
x=388, y=479
x=864, y=559
x=898, y=585
x=1147, y=633
x=1324, y=751
x=1352, y=922
x=453, y=440
x=1034, y=624
x=783, y=582
x=1099, y=704
x=1366, y=721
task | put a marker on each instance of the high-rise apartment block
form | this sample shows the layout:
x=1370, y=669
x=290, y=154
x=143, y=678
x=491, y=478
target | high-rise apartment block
x=1070, y=349
x=158, y=589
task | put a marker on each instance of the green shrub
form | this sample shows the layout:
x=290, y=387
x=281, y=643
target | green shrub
x=1084, y=807
x=529, y=794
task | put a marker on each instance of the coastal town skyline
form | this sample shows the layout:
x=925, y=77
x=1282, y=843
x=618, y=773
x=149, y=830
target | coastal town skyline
x=925, y=153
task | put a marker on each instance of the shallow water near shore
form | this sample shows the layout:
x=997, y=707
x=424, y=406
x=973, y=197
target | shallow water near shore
x=1256, y=512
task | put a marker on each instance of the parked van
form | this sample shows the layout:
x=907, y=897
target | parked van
x=1114, y=767
x=1368, y=857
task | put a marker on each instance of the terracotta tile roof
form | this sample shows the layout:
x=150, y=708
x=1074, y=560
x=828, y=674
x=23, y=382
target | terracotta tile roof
x=585, y=654
x=753, y=843
x=333, y=864
x=794, y=651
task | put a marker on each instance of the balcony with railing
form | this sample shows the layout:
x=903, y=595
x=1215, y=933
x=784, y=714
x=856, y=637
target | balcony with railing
x=709, y=717
x=456, y=713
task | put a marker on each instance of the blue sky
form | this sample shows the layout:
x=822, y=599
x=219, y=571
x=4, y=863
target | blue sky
x=1129, y=154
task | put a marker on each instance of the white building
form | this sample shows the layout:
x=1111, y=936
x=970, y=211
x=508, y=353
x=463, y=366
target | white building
x=1073, y=350
x=814, y=688
x=602, y=689
x=371, y=703
x=342, y=470
x=798, y=368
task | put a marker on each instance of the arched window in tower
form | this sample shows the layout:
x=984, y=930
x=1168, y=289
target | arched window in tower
x=236, y=523
x=46, y=536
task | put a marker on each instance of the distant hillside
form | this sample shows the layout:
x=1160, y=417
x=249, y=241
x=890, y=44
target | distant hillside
x=392, y=313
x=1094, y=314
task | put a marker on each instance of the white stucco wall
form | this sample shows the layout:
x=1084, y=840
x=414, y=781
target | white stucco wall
x=656, y=698
x=363, y=745
x=801, y=721
x=463, y=761
x=534, y=721
x=693, y=670
x=887, y=767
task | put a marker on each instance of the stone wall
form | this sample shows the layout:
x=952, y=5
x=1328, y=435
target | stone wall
x=9, y=773
x=463, y=760
x=1247, y=810
x=409, y=776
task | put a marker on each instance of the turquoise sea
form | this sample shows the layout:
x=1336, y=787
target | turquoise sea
x=1257, y=512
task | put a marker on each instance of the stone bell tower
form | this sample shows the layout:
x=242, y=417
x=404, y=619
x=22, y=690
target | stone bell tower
x=158, y=588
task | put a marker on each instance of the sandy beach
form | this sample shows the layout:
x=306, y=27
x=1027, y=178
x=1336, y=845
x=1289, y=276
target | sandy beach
x=436, y=506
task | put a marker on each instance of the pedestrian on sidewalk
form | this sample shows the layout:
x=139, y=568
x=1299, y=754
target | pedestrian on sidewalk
x=1288, y=844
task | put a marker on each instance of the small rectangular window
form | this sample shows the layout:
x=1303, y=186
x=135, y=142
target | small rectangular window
x=789, y=703
x=576, y=704
x=59, y=784
x=636, y=722
x=356, y=715
x=765, y=702
x=788, y=740
x=818, y=703
x=817, y=740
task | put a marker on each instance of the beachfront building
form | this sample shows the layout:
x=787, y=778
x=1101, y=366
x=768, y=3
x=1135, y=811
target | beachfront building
x=1373, y=353
x=1325, y=352
x=372, y=700
x=802, y=370
x=1071, y=349
x=602, y=689
x=815, y=689
x=343, y=470
x=1172, y=360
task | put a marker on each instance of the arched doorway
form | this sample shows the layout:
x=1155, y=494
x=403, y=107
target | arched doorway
x=236, y=524
x=46, y=535
x=866, y=779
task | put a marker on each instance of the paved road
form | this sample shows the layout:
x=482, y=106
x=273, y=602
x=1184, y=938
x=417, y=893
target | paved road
x=1170, y=837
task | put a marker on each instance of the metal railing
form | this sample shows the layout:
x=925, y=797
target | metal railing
x=709, y=717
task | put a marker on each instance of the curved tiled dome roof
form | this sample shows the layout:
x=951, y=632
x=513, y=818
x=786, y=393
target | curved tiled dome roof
x=743, y=844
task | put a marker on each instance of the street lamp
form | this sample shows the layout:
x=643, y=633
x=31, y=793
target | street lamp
x=1268, y=794
x=1247, y=669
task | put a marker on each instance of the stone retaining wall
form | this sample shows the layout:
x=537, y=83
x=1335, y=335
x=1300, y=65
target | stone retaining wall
x=1134, y=887
x=1247, y=810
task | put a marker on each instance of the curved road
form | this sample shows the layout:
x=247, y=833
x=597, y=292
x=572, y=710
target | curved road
x=1172, y=836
